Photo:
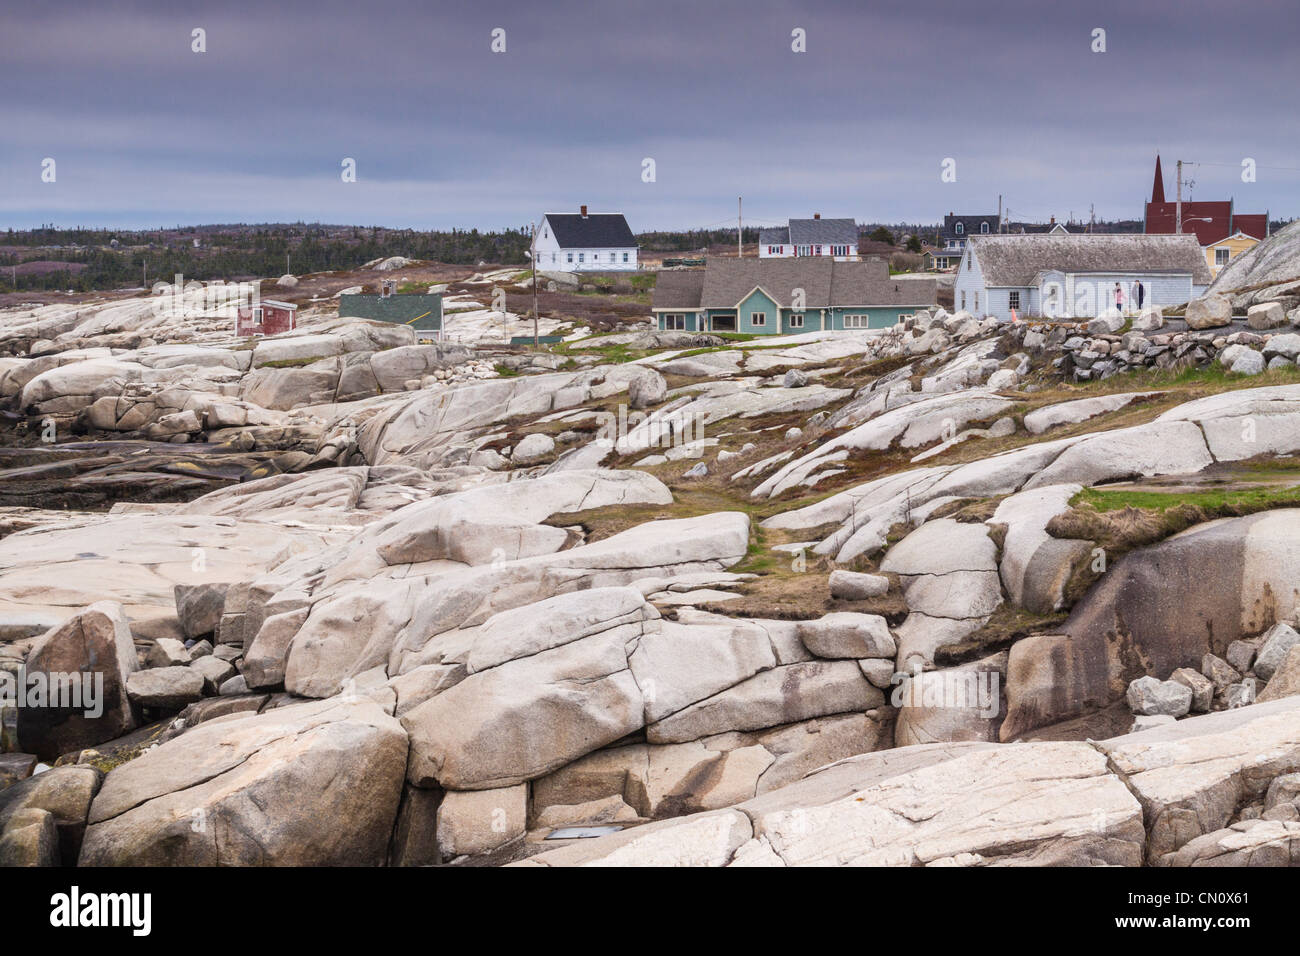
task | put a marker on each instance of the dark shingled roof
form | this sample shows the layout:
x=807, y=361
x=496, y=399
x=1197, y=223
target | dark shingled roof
x=604, y=231
x=1016, y=260
x=679, y=289
x=778, y=236
x=970, y=226
x=840, y=232
x=725, y=282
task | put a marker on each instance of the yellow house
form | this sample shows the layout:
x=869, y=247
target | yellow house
x=1219, y=254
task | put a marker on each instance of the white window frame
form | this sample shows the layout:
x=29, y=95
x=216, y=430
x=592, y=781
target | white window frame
x=796, y=320
x=963, y=299
x=582, y=257
x=977, y=301
x=1013, y=299
x=625, y=257
x=857, y=320
x=758, y=318
x=1227, y=256
x=570, y=256
x=258, y=315
x=675, y=322
x=984, y=228
x=959, y=228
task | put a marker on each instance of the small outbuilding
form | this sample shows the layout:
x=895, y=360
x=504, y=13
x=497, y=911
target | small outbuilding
x=267, y=317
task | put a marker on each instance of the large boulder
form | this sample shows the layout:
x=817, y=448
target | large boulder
x=966, y=804
x=65, y=793
x=313, y=784
x=87, y=663
x=1155, y=610
x=1193, y=776
x=519, y=720
x=646, y=388
x=1209, y=312
x=1266, y=315
x=165, y=688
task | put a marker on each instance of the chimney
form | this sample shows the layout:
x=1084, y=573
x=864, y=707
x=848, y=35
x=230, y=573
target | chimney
x=584, y=212
x=1053, y=222
x=817, y=215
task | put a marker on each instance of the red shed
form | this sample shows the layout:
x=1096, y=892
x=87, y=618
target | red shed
x=266, y=317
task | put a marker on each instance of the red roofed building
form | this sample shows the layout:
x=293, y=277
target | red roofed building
x=1213, y=222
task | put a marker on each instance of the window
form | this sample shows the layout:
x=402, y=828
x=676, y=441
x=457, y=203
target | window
x=545, y=233
x=570, y=255
x=1221, y=256
x=758, y=318
x=625, y=257
x=582, y=257
x=984, y=228
x=675, y=322
x=857, y=321
x=1013, y=299
x=257, y=316
x=968, y=262
x=552, y=258
x=977, y=301
x=959, y=228
x=819, y=250
x=963, y=300
x=796, y=320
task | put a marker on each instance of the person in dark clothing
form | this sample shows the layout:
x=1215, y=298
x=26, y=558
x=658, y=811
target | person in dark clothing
x=1139, y=293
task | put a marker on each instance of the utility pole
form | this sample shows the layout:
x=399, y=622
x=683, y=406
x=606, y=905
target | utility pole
x=740, y=228
x=286, y=263
x=1178, y=205
x=999, y=213
x=532, y=255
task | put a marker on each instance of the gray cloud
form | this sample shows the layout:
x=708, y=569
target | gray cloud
x=445, y=133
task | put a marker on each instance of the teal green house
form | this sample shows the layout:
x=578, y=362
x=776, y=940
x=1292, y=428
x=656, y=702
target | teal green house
x=786, y=296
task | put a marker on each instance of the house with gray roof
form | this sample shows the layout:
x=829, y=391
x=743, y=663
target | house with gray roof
x=1070, y=276
x=833, y=238
x=787, y=296
x=585, y=242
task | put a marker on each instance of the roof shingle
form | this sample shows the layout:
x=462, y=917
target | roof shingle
x=1016, y=260
x=604, y=231
x=825, y=283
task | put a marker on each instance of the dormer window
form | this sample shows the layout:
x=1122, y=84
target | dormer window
x=984, y=227
x=959, y=228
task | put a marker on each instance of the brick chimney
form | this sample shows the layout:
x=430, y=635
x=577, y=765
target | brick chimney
x=584, y=212
x=817, y=215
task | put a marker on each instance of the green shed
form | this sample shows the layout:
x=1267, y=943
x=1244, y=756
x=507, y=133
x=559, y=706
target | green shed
x=421, y=312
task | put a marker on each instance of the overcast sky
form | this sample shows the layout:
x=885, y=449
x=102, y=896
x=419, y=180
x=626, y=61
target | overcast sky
x=445, y=132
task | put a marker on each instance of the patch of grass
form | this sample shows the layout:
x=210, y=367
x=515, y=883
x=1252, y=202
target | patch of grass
x=1007, y=625
x=505, y=371
x=294, y=363
x=1123, y=519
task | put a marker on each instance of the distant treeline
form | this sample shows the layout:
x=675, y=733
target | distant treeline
x=256, y=252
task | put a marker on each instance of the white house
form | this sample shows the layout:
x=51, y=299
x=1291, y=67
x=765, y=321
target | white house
x=569, y=242
x=835, y=238
x=1074, y=276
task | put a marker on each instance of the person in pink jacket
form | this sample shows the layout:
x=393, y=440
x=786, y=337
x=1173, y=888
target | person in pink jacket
x=1119, y=298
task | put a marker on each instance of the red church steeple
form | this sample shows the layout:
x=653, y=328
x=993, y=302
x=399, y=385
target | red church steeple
x=1158, y=186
